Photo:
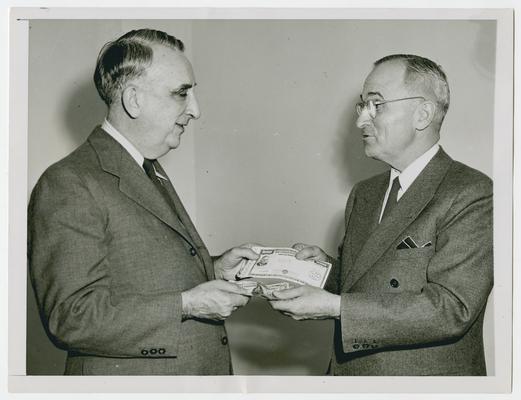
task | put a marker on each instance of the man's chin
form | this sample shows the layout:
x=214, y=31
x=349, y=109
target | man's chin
x=174, y=146
x=368, y=150
x=175, y=141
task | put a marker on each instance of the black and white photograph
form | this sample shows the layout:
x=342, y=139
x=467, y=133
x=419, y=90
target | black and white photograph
x=316, y=201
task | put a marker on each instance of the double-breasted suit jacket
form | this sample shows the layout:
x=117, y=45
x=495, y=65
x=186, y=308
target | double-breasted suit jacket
x=416, y=311
x=108, y=260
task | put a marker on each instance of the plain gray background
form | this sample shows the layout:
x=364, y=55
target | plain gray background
x=276, y=150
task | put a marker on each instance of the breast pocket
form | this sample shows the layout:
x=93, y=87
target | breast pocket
x=405, y=254
x=407, y=270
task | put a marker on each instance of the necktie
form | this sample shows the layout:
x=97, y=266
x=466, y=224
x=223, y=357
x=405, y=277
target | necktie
x=148, y=166
x=392, y=200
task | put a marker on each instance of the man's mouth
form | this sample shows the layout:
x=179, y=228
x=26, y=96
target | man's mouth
x=366, y=135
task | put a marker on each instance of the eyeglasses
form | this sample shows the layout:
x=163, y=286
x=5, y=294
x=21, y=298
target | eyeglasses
x=372, y=105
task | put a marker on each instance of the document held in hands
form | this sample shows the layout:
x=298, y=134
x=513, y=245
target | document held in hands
x=276, y=268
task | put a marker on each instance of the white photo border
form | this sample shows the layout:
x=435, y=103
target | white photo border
x=503, y=180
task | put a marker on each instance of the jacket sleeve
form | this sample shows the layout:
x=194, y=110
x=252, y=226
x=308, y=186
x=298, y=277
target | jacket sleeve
x=458, y=282
x=69, y=269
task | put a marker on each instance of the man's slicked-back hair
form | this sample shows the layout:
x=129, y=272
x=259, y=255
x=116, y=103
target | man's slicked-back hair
x=424, y=72
x=126, y=58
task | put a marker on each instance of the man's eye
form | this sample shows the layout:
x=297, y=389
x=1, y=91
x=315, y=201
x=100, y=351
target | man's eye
x=378, y=106
x=182, y=93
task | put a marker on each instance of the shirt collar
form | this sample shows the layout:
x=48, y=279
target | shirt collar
x=122, y=140
x=409, y=174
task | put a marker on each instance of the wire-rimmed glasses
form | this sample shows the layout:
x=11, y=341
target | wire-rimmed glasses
x=372, y=105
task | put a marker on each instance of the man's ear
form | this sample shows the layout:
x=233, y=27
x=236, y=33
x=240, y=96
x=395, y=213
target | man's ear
x=424, y=115
x=130, y=100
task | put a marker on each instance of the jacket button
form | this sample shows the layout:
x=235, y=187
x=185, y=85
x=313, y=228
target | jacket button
x=192, y=251
x=153, y=351
x=356, y=346
x=394, y=283
x=144, y=352
x=224, y=340
x=161, y=351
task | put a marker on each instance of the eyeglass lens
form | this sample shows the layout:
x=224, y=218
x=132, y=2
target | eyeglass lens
x=369, y=104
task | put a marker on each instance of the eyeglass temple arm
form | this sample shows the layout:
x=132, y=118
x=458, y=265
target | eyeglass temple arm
x=405, y=98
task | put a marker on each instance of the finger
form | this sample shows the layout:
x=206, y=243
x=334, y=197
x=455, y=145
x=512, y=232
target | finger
x=237, y=300
x=279, y=305
x=308, y=252
x=241, y=301
x=299, y=246
x=230, y=287
x=288, y=293
x=250, y=245
x=244, y=252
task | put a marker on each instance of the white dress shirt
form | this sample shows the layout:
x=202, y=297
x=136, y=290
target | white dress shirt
x=127, y=145
x=408, y=175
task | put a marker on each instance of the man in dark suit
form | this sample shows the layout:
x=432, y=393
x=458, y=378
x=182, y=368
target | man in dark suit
x=410, y=288
x=123, y=281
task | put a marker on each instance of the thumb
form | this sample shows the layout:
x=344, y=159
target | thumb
x=307, y=253
x=232, y=287
x=245, y=252
x=287, y=294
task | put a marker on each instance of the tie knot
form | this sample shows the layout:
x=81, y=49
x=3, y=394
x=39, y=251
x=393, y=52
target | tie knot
x=148, y=166
x=396, y=183
x=393, y=197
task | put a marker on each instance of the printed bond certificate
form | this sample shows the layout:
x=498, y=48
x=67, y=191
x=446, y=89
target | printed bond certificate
x=277, y=268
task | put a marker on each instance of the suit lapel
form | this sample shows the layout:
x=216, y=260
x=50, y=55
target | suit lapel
x=367, y=212
x=364, y=219
x=188, y=224
x=407, y=210
x=133, y=181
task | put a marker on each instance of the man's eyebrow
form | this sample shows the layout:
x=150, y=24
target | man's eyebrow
x=375, y=94
x=184, y=86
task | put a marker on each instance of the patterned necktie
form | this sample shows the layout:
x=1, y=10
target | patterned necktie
x=392, y=200
x=148, y=166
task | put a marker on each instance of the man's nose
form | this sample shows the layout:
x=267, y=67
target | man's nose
x=193, y=107
x=364, y=118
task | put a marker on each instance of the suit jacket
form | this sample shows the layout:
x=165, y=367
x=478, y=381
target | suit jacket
x=109, y=258
x=416, y=311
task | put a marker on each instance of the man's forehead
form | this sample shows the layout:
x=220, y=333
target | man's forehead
x=163, y=55
x=385, y=79
x=170, y=63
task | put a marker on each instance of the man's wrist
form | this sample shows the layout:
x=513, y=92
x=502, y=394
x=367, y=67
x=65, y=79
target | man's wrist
x=185, y=306
x=218, y=272
x=217, y=268
x=336, y=304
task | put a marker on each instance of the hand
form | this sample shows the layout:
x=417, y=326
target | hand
x=308, y=252
x=227, y=266
x=214, y=300
x=307, y=302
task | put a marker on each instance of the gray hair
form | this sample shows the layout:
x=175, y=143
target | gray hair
x=424, y=72
x=127, y=58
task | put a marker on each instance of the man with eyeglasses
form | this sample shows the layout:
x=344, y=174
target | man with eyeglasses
x=409, y=290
